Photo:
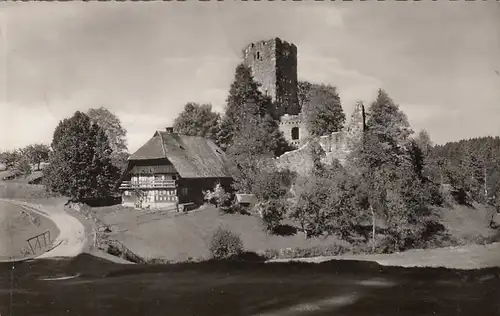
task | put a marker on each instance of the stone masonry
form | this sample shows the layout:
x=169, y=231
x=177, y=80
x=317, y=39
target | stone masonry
x=337, y=145
x=274, y=66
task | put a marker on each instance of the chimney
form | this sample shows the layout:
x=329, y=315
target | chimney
x=169, y=130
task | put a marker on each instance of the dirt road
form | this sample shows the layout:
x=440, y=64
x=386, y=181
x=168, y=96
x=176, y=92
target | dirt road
x=71, y=239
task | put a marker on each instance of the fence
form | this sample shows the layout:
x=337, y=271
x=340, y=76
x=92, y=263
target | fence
x=40, y=241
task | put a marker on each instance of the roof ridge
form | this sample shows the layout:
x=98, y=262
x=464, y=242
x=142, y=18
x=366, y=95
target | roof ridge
x=162, y=143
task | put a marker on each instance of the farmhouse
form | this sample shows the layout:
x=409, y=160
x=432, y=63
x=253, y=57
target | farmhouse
x=172, y=169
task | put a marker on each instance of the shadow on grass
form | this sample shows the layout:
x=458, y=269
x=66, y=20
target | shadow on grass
x=285, y=230
x=461, y=197
x=109, y=201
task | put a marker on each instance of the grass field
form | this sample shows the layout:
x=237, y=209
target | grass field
x=180, y=237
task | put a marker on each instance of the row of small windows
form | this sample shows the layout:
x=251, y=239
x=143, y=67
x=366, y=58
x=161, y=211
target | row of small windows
x=160, y=192
x=166, y=198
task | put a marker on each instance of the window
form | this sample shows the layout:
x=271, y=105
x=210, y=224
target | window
x=174, y=177
x=258, y=55
x=295, y=133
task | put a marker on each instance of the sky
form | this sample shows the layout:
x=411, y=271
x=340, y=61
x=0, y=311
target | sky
x=145, y=61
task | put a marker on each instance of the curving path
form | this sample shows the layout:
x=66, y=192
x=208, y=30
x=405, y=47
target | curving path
x=71, y=239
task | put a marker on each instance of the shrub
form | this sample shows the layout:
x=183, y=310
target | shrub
x=225, y=244
x=272, y=213
x=316, y=251
x=221, y=199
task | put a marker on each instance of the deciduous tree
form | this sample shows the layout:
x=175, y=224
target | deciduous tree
x=9, y=158
x=393, y=184
x=116, y=133
x=321, y=108
x=197, y=120
x=36, y=154
x=80, y=166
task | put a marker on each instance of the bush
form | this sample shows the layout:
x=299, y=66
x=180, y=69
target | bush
x=316, y=251
x=225, y=244
x=272, y=213
x=221, y=199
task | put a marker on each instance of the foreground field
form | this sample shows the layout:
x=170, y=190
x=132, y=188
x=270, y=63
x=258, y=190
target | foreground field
x=89, y=286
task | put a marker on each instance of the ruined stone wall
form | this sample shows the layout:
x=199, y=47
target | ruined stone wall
x=299, y=161
x=274, y=66
x=337, y=145
x=288, y=123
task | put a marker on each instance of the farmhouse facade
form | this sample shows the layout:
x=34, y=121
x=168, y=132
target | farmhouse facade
x=172, y=169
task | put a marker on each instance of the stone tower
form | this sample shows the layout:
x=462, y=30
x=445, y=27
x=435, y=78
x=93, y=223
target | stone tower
x=274, y=66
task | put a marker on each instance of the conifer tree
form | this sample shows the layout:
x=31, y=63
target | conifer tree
x=244, y=102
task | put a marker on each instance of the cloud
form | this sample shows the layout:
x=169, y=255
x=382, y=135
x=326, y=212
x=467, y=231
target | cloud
x=352, y=85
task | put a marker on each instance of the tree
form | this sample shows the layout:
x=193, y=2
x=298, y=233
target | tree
x=321, y=108
x=80, y=166
x=9, y=158
x=303, y=91
x=394, y=186
x=326, y=202
x=36, y=154
x=258, y=140
x=472, y=167
x=244, y=102
x=22, y=165
x=197, y=120
x=115, y=133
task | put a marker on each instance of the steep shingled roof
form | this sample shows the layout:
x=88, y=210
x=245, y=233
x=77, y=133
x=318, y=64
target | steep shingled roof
x=192, y=156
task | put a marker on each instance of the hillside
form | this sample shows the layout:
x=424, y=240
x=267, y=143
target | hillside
x=178, y=237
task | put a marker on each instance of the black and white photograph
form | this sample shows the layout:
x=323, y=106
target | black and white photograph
x=254, y=158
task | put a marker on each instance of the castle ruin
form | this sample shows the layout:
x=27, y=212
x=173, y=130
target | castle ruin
x=274, y=66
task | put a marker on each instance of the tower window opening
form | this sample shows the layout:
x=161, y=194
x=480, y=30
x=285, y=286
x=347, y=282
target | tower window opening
x=258, y=55
x=295, y=133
